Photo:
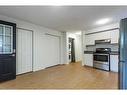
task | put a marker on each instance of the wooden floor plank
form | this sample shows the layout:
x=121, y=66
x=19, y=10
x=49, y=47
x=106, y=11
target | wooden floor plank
x=71, y=76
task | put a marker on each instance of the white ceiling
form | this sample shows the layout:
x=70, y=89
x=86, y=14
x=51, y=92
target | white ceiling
x=65, y=18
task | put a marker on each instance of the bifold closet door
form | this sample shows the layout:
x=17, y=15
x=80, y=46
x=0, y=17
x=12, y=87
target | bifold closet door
x=24, y=51
x=53, y=50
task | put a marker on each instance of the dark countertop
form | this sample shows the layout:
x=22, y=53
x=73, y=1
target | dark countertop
x=88, y=52
x=112, y=52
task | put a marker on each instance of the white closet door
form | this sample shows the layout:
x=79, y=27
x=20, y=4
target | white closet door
x=24, y=51
x=53, y=50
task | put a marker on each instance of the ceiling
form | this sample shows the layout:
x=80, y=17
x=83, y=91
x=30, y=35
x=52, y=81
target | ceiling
x=65, y=18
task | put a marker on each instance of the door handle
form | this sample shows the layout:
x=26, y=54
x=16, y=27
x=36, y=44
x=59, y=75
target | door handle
x=12, y=55
x=14, y=50
x=121, y=61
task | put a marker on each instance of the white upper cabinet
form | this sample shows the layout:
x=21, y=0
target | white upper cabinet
x=89, y=40
x=102, y=35
x=114, y=36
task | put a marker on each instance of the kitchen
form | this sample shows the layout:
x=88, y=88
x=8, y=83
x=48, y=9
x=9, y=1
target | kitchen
x=85, y=58
x=100, y=47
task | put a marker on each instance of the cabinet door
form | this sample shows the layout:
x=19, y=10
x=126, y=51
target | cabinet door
x=89, y=39
x=102, y=35
x=88, y=59
x=114, y=36
x=114, y=63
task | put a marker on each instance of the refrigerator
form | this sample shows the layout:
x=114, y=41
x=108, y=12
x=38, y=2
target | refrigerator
x=123, y=54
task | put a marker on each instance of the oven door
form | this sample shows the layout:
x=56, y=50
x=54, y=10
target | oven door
x=101, y=58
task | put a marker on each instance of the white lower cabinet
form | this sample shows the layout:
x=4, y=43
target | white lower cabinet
x=114, y=63
x=114, y=36
x=88, y=60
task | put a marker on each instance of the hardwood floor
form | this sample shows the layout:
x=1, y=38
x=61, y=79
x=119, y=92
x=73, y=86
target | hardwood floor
x=71, y=76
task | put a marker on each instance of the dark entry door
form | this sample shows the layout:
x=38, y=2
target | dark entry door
x=7, y=51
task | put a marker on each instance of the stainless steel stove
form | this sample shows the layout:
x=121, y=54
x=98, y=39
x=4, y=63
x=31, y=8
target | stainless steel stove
x=101, y=58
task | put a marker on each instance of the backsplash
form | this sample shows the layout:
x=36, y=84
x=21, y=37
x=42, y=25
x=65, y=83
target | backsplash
x=93, y=48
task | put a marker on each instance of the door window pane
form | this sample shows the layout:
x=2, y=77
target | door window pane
x=1, y=38
x=7, y=40
x=1, y=43
x=1, y=30
x=6, y=48
x=0, y=49
x=7, y=31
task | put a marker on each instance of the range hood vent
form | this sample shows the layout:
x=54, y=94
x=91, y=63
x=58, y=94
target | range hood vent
x=103, y=41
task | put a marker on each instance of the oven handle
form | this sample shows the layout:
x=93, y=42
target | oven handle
x=100, y=54
x=100, y=62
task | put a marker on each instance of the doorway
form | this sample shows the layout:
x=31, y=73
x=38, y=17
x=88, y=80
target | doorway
x=71, y=50
x=74, y=47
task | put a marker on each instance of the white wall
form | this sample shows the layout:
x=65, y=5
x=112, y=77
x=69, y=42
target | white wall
x=102, y=28
x=83, y=47
x=64, y=57
x=78, y=46
x=38, y=41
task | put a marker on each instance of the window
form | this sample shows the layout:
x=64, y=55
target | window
x=6, y=39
